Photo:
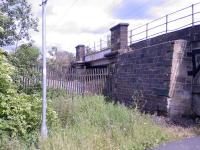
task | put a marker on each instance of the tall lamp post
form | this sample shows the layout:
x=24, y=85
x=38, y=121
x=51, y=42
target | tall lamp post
x=44, y=81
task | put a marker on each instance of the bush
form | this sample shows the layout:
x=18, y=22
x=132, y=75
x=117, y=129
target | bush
x=25, y=59
x=20, y=114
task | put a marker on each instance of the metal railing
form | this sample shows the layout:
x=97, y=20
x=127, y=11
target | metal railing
x=186, y=17
x=72, y=80
x=100, y=45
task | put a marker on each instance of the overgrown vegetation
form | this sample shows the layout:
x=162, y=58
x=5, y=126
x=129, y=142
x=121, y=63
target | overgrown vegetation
x=91, y=123
x=74, y=122
x=20, y=114
x=25, y=60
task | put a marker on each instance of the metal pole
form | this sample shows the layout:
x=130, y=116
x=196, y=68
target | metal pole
x=147, y=31
x=94, y=47
x=44, y=81
x=131, y=36
x=100, y=44
x=166, y=23
x=192, y=14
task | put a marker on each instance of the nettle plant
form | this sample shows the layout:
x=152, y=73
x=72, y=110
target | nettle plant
x=20, y=114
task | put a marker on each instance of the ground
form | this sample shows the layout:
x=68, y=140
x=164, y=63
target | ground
x=186, y=144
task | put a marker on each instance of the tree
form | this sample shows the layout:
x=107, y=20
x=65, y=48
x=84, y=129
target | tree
x=60, y=59
x=2, y=19
x=26, y=56
x=89, y=50
x=18, y=23
x=25, y=59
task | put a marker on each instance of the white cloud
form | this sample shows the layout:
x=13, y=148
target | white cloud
x=172, y=5
x=88, y=20
x=168, y=7
x=69, y=26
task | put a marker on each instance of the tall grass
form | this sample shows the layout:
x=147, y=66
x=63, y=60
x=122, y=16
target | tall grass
x=90, y=123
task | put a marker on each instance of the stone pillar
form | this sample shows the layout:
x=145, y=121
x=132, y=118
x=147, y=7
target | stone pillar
x=180, y=93
x=119, y=37
x=80, y=56
x=80, y=53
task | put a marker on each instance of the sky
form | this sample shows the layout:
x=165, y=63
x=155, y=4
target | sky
x=73, y=22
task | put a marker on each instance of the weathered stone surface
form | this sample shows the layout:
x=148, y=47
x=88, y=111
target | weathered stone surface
x=180, y=82
x=146, y=71
x=189, y=34
x=160, y=74
x=80, y=53
x=196, y=103
x=160, y=69
x=119, y=36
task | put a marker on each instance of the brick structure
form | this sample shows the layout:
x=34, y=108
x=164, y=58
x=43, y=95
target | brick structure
x=164, y=70
x=119, y=34
x=80, y=53
x=160, y=74
x=196, y=79
x=80, y=57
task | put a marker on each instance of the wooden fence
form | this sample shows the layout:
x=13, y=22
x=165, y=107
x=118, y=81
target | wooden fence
x=74, y=81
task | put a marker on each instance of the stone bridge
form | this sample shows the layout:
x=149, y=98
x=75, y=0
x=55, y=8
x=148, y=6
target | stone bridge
x=164, y=69
x=107, y=56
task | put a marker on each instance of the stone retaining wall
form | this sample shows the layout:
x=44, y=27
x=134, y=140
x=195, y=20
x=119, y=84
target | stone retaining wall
x=159, y=75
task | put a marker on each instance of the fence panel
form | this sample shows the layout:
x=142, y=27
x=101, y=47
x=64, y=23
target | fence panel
x=72, y=80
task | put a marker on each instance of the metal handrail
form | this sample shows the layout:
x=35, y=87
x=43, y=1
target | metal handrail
x=157, y=26
x=102, y=44
x=134, y=34
x=180, y=18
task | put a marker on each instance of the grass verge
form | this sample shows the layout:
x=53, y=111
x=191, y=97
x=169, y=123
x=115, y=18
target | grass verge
x=90, y=123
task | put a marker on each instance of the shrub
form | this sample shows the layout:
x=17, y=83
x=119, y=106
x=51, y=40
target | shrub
x=20, y=114
x=25, y=60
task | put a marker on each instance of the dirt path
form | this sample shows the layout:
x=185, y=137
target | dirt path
x=185, y=144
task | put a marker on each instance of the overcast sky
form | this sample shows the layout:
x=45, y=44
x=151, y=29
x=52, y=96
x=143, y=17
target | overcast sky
x=73, y=22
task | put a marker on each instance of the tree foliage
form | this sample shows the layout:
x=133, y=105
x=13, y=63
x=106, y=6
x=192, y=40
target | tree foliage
x=2, y=20
x=26, y=56
x=20, y=114
x=60, y=59
x=18, y=23
x=25, y=59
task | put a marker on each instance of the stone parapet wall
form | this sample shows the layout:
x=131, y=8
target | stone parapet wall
x=146, y=71
x=189, y=34
x=151, y=72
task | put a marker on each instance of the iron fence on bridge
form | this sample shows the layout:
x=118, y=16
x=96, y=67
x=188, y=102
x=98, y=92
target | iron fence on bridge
x=103, y=44
x=186, y=17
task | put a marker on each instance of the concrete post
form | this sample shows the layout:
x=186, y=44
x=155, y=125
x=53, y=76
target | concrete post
x=119, y=37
